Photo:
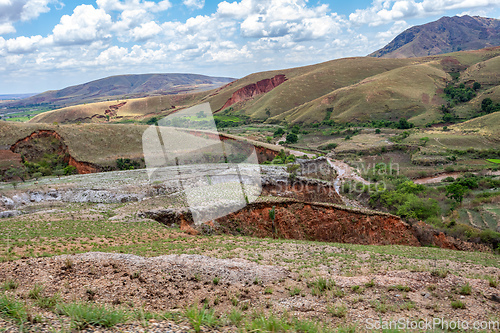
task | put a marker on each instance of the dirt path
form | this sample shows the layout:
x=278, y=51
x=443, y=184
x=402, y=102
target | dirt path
x=439, y=178
x=346, y=172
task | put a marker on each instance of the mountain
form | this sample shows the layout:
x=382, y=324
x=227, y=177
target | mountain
x=448, y=34
x=361, y=89
x=125, y=86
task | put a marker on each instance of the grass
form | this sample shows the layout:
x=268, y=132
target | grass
x=295, y=291
x=199, y=317
x=465, y=289
x=458, y=305
x=10, y=285
x=48, y=302
x=321, y=285
x=492, y=282
x=400, y=288
x=13, y=309
x=84, y=314
x=338, y=311
x=35, y=292
x=496, y=161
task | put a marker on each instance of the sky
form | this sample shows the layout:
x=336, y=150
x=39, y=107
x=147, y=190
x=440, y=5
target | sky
x=52, y=44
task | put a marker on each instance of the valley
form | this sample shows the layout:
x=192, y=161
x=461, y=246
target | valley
x=321, y=198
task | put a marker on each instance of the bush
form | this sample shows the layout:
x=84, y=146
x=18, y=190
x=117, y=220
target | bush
x=127, y=164
x=404, y=124
x=279, y=132
x=292, y=138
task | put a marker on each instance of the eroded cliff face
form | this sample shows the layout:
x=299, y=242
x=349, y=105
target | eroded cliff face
x=254, y=89
x=41, y=142
x=303, y=221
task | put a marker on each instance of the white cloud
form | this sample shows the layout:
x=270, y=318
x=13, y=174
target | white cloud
x=195, y=4
x=386, y=11
x=85, y=25
x=12, y=11
x=146, y=31
x=113, y=55
x=278, y=18
x=396, y=29
x=6, y=28
x=22, y=44
x=117, y=5
x=231, y=54
x=33, y=8
x=133, y=14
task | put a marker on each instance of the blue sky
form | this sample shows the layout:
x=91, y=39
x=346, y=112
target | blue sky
x=51, y=44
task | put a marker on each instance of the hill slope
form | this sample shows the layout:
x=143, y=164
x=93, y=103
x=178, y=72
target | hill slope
x=448, y=34
x=126, y=86
x=345, y=90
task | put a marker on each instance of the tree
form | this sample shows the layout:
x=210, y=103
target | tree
x=279, y=132
x=292, y=138
x=404, y=124
x=14, y=173
x=59, y=173
x=456, y=191
x=476, y=86
x=295, y=129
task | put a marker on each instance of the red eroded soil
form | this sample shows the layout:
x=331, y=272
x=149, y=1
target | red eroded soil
x=319, y=222
x=254, y=89
x=29, y=148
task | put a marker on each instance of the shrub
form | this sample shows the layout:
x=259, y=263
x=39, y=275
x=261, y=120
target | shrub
x=279, y=132
x=292, y=138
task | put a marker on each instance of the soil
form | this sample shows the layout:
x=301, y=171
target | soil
x=175, y=281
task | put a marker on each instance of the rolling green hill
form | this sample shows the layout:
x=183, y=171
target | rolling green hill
x=344, y=90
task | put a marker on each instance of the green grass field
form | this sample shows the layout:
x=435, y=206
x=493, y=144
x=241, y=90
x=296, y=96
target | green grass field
x=496, y=161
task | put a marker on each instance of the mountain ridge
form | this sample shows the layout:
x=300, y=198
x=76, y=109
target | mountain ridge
x=125, y=86
x=448, y=34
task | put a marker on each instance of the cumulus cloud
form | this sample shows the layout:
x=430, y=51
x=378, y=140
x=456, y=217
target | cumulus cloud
x=85, y=25
x=6, y=28
x=146, y=31
x=22, y=44
x=117, y=5
x=397, y=28
x=386, y=11
x=195, y=4
x=278, y=18
x=12, y=11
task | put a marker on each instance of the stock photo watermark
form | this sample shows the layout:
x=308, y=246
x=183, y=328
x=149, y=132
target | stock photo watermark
x=217, y=177
x=431, y=324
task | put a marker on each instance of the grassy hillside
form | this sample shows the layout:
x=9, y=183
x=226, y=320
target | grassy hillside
x=351, y=90
x=135, y=109
x=488, y=125
x=96, y=143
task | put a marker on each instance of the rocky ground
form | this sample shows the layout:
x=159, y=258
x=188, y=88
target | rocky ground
x=78, y=241
x=326, y=294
